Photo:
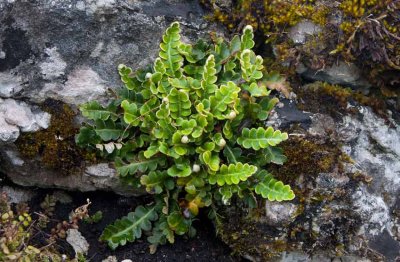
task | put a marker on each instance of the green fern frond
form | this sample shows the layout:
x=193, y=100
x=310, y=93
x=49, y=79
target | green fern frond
x=224, y=96
x=93, y=110
x=139, y=164
x=209, y=76
x=169, y=52
x=273, y=189
x=232, y=174
x=179, y=103
x=261, y=138
x=129, y=228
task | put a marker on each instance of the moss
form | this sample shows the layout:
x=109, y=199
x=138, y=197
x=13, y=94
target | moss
x=367, y=33
x=55, y=146
x=321, y=97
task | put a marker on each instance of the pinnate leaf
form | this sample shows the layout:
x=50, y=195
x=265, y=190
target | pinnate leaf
x=130, y=227
x=260, y=138
x=232, y=174
x=270, y=188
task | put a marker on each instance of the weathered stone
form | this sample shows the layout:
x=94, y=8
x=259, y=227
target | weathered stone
x=334, y=210
x=302, y=30
x=17, y=195
x=346, y=74
x=96, y=177
x=77, y=241
x=278, y=213
x=9, y=84
x=69, y=51
x=110, y=259
x=21, y=115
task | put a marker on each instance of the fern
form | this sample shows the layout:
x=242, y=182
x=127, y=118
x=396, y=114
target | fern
x=179, y=103
x=209, y=76
x=260, y=138
x=173, y=130
x=169, y=50
x=251, y=66
x=139, y=164
x=232, y=174
x=129, y=228
x=93, y=110
x=224, y=96
x=273, y=189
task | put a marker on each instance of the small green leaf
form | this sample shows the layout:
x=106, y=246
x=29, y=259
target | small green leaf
x=260, y=138
x=232, y=174
x=211, y=159
x=273, y=189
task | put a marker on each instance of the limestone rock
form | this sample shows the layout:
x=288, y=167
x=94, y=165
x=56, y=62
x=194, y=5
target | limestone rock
x=77, y=241
x=347, y=208
x=302, y=30
x=16, y=116
x=69, y=51
x=346, y=74
x=17, y=195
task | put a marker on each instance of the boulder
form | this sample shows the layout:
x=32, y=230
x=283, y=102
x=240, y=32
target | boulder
x=344, y=169
x=56, y=55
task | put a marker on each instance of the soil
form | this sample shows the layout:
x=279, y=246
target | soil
x=205, y=246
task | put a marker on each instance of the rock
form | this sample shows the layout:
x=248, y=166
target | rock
x=16, y=116
x=299, y=33
x=110, y=259
x=278, y=213
x=346, y=209
x=17, y=195
x=62, y=197
x=77, y=241
x=83, y=85
x=8, y=133
x=95, y=177
x=69, y=51
x=345, y=74
x=9, y=85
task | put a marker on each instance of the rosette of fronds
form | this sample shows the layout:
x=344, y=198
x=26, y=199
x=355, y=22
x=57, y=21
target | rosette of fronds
x=190, y=130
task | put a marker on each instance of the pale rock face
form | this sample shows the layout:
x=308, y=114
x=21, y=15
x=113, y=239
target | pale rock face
x=9, y=85
x=16, y=116
x=17, y=195
x=302, y=30
x=83, y=85
x=54, y=65
x=77, y=241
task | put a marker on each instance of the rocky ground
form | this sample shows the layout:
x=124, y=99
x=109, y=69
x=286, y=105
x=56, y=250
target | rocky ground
x=343, y=152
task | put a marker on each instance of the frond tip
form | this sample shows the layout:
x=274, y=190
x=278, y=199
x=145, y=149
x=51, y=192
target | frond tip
x=130, y=227
x=272, y=189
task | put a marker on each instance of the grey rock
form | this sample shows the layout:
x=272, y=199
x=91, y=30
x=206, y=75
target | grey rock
x=17, y=195
x=83, y=85
x=97, y=177
x=278, y=213
x=8, y=133
x=302, y=30
x=110, y=259
x=9, y=84
x=77, y=241
x=53, y=66
x=69, y=51
x=335, y=207
x=62, y=197
x=14, y=158
x=20, y=114
x=346, y=74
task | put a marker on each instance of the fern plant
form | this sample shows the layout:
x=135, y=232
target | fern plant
x=190, y=131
